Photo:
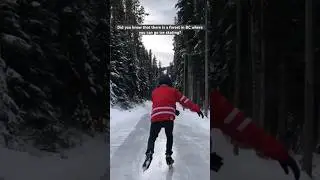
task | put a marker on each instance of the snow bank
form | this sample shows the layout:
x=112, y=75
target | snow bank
x=118, y=115
x=247, y=165
x=316, y=168
x=122, y=122
x=89, y=161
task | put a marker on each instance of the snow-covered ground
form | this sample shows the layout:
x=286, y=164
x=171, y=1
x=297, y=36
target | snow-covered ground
x=247, y=165
x=87, y=162
x=128, y=139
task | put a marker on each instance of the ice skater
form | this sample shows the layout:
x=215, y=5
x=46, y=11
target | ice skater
x=164, y=99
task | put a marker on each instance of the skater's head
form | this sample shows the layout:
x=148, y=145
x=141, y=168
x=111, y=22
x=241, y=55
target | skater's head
x=165, y=80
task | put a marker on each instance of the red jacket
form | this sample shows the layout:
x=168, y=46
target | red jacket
x=164, y=100
x=234, y=123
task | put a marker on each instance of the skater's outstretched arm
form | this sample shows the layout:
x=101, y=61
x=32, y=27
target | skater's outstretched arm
x=187, y=103
x=234, y=123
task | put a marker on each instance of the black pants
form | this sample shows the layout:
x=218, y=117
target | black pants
x=154, y=132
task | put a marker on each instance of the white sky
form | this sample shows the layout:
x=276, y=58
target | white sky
x=160, y=12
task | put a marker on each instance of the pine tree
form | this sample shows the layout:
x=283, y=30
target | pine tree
x=132, y=72
x=60, y=84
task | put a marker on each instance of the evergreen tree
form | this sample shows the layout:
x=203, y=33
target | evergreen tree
x=54, y=71
x=133, y=68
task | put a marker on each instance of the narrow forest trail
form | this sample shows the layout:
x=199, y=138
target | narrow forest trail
x=191, y=151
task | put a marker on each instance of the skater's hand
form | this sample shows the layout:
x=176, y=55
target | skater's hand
x=177, y=113
x=215, y=162
x=200, y=114
x=292, y=164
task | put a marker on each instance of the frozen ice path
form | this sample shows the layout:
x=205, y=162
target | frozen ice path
x=190, y=152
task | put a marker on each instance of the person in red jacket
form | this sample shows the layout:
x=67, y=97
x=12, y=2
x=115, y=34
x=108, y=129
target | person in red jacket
x=164, y=99
x=232, y=122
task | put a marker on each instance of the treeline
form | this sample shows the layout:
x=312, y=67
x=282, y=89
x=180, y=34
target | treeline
x=188, y=65
x=53, y=71
x=258, y=59
x=134, y=69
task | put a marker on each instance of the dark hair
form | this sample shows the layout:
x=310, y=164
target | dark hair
x=165, y=79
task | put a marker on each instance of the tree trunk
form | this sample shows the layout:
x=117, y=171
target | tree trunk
x=318, y=119
x=198, y=94
x=237, y=66
x=253, y=62
x=185, y=75
x=282, y=105
x=262, y=70
x=190, y=76
x=309, y=91
x=194, y=82
x=206, y=72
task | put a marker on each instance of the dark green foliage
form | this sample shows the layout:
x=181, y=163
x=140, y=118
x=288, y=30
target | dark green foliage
x=134, y=70
x=284, y=26
x=54, y=66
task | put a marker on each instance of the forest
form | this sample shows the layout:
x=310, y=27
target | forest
x=262, y=57
x=134, y=70
x=52, y=72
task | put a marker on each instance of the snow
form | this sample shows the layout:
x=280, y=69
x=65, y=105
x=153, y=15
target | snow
x=3, y=82
x=87, y=67
x=316, y=169
x=128, y=138
x=12, y=1
x=93, y=90
x=67, y=9
x=123, y=122
x=10, y=103
x=247, y=165
x=35, y=4
x=37, y=90
x=35, y=22
x=89, y=161
x=14, y=75
x=16, y=41
x=129, y=131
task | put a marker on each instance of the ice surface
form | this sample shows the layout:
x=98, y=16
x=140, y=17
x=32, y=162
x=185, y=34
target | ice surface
x=128, y=139
x=129, y=133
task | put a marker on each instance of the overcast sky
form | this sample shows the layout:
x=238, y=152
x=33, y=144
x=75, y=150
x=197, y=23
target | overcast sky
x=160, y=12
